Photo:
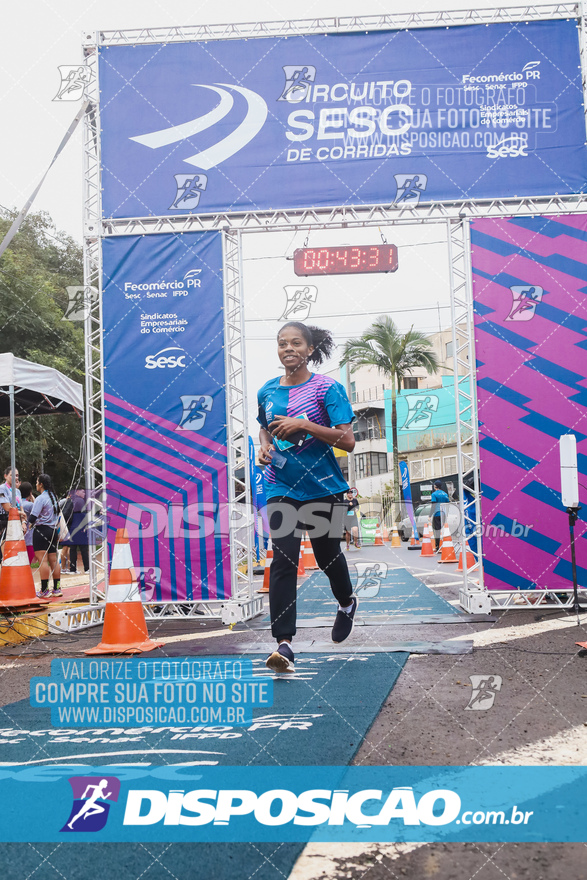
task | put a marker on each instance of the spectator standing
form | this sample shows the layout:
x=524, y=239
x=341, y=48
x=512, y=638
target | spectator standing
x=351, y=521
x=77, y=524
x=26, y=491
x=44, y=520
x=6, y=502
x=438, y=498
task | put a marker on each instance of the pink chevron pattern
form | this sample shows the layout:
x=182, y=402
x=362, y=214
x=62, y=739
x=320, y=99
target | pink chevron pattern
x=179, y=479
x=531, y=389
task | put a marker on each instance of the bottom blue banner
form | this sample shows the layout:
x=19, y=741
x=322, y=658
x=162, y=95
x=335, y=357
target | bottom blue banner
x=179, y=803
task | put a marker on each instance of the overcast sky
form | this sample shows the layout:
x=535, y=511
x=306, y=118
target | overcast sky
x=40, y=35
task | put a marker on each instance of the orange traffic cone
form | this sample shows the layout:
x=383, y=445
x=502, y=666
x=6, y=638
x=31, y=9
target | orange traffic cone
x=125, y=628
x=384, y=532
x=266, y=572
x=396, y=541
x=378, y=537
x=17, y=586
x=414, y=545
x=427, y=549
x=301, y=566
x=447, y=549
x=309, y=558
x=470, y=558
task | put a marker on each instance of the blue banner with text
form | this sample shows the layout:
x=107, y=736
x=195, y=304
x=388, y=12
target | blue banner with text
x=392, y=117
x=223, y=804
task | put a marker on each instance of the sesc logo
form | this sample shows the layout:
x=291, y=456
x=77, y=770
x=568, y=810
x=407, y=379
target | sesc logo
x=161, y=361
x=511, y=147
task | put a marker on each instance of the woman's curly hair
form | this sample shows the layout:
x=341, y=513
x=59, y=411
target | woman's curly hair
x=320, y=340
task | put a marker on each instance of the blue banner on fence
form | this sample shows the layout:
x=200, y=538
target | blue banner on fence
x=222, y=804
x=165, y=410
x=429, y=114
x=407, y=493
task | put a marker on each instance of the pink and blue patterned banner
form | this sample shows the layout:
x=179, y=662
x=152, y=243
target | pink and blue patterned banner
x=165, y=413
x=530, y=291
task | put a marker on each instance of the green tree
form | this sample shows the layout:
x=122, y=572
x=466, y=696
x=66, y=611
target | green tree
x=395, y=355
x=35, y=271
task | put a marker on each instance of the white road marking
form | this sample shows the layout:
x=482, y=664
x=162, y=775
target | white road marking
x=317, y=861
x=569, y=747
x=494, y=636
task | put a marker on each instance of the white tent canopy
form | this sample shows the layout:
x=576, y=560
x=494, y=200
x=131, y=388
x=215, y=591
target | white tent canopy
x=38, y=390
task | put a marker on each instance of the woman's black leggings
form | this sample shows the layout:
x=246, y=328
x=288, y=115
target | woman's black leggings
x=323, y=519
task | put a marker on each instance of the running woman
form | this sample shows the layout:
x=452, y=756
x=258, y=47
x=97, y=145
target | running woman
x=302, y=416
x=44, y=520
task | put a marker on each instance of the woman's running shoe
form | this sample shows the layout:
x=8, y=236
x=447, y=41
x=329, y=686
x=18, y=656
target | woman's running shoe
x=344, y=622
x=281, y=660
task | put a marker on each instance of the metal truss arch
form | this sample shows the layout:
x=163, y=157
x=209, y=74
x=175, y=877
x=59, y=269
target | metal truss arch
x=454, y=215
x=336, y=24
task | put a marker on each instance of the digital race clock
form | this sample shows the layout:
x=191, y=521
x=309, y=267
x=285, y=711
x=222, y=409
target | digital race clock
x=345, y=260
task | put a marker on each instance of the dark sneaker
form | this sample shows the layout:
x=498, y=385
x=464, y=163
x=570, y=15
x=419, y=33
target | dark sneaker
x=344, y=622
x=57, y=592
x=281, y=660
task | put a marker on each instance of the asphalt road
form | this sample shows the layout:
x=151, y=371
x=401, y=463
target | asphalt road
x=539, y=716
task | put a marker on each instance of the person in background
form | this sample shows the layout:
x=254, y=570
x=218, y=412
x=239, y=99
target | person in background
x=438, y=498
x=77, y=525
x=66, y=508
x=351, y=522
x=26, y=491
x=44, y=520
x=6, y=502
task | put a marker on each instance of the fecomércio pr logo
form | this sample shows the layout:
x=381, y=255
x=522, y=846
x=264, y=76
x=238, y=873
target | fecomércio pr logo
x=92, y=798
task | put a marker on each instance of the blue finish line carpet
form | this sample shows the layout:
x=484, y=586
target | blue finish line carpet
x=320, y=716
x=394, y=592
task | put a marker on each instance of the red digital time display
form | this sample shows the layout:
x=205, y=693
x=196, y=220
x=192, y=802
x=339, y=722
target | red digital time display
x=345, y=260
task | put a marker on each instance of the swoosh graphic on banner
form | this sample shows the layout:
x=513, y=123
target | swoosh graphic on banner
x=228, y=146
x=240, y=137
x=167, y=136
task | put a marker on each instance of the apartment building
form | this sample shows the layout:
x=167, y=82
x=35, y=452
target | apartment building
x=426, y=424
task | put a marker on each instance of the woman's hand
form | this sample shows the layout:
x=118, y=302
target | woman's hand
x=283, y=427
x=265, y=451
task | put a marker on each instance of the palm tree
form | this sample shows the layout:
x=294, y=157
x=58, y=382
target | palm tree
x=394, y=354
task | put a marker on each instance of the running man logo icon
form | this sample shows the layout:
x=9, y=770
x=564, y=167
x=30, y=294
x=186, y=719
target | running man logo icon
x=189, y=189
x=80, y=300
x=409, y=188
x=420, y=411
x=148, y=578
x=524, y=302
x=298, y=80
x=298, y=302
x=369, y=577
x=74, y=78
x=484, y=689
x=90, y=802
x=195, y=411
